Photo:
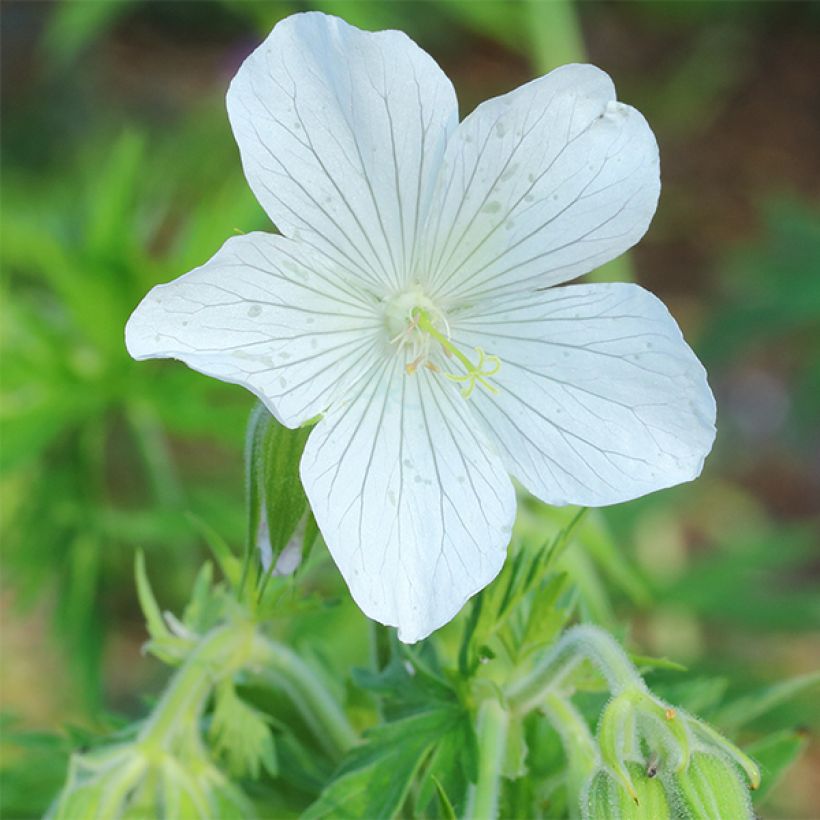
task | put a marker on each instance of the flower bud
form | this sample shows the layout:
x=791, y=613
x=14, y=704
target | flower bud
x=606, y=797
x=280, y=522
x=712, y=786
x=634, y=719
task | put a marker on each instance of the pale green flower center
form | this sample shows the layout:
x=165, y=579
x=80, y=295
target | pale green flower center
x=414, y=322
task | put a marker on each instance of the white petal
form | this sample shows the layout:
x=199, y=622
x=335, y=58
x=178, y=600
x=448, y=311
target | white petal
x=540, y=186
x=341, y=133
x=600, y=401
x=415, y=506
x=264, y=314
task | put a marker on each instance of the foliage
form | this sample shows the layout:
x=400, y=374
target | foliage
x=106, y=191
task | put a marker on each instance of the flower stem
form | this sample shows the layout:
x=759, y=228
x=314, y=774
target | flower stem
x=315, y=704
x=220, y=653
x=482, y=798
x=579, y=745
x=555, y=34
x=578, y=643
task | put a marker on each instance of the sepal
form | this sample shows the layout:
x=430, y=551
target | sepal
x=712, y=786
x=604, y=797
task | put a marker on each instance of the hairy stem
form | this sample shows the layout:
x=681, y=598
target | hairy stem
x=482, y=798
x=318, y=708
x=587, y=642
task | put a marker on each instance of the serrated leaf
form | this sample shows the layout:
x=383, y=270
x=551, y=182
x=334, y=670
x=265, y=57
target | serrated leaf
x=409, y=682
x=453, y=766
x=241, y=735
x=521, y=575
x=374, y=780
x=545, y=619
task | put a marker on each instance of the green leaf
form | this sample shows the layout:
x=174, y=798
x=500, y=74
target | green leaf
x=446, y=807
x=648, y=662
x=167, y=646
x=157, y=627
x=376, y=777
x=525, y=570
x=743, y=711
x=407, y=683
x=453, y=766
x=546, y=619
x=222, y=553
x=241, y=735
x=774, y=754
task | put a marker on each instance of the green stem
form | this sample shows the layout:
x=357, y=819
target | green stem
x=315, y=704
x=555, y=34
x=118, y=788
x=482, y=798
x=579, y=745
x=587, y=642
x=219, y=654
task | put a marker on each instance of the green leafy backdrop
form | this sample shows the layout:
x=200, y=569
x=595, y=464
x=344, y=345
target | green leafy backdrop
x=119, y=171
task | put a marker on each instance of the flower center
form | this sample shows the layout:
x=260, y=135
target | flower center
x=416, y=324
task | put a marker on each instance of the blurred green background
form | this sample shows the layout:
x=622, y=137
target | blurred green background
x=119, y=171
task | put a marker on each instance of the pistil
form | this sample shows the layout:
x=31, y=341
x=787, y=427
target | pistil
x=477, y=373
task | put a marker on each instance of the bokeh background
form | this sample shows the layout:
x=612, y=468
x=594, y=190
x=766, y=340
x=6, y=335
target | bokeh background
x=119, y=171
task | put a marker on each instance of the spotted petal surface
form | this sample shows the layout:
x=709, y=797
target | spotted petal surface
x=540, y=186
x=416, y=506
x=600, y=399
x=341, y=133
x=266, y=313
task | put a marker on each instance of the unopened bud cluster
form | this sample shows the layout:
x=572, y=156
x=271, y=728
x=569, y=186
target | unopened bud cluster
x=649, y=760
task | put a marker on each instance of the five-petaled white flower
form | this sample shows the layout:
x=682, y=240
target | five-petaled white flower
x=409, y=302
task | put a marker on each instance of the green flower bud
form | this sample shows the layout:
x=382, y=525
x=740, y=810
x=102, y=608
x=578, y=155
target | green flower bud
x=712, y=787
x=278, y=505
x=634, y=719
x=605, y=797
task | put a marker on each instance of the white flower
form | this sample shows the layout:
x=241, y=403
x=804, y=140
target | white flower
x=408, y=301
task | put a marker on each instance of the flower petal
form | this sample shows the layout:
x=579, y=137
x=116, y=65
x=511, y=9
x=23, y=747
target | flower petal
x=539, y=186
x=600, y=398
x=264, y=314
x=341, y=133
x=414, y=504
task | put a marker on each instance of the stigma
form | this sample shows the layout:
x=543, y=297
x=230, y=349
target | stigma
x=415, y=324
